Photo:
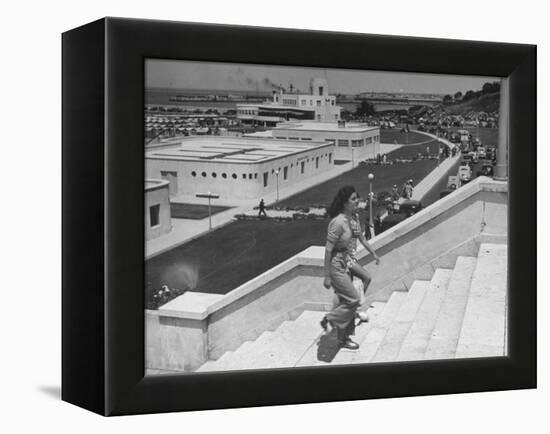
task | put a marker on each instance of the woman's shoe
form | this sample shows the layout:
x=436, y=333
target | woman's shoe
x=348, y=344
x=326, y=325
x=362, y=316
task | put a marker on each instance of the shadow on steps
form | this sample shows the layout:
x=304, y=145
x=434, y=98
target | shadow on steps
x=327, y=347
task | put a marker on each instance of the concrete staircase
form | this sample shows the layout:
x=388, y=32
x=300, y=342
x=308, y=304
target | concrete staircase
x=459, y=313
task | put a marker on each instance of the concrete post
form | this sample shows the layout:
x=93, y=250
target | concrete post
x=501, y=169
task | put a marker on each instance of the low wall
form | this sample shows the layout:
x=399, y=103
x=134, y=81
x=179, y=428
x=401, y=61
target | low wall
x=194, y=328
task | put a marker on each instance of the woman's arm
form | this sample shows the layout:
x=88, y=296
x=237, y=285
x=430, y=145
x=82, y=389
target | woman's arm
x=369, y=248
x=328, y=255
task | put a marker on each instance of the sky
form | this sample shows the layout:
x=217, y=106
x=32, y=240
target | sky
x=229, y=76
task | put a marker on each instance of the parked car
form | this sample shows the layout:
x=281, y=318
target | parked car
x=474, y=156
x=481, y=152
x=447, y=191
x=486, y=170
x=465, y=173
x=467, y=160
x=407, y=208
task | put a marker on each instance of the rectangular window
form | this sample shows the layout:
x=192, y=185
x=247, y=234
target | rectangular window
x=330, y=158
x=356, y=143
x=305, y=138
x=303, y=102
x=293, y=138
x=285, y=173
x=317, y=163
x=302, y=167
x=343, y=143
x=280, y=138
x=154, y=215
x=266, y=175
x=318, y=103
x=321, y=90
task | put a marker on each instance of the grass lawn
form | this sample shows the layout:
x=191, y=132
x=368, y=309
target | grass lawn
x=394, y=135
x=229, y=256
x=384, y=178
x=193, y=211
x=488, y=136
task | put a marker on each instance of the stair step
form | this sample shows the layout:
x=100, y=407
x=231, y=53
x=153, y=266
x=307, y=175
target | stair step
x=415, y=343
x=343, y=356
x=390, y=346
x=483, y=331
x=319, y=355
x=280, y=348
x=444, y=339
x=230, y=358
x=379, y=328
x=238, y=358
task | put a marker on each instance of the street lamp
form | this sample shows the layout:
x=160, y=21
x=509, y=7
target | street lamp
x=371, y=231
x=209, y=196
x=352, y=156
x=277, y=175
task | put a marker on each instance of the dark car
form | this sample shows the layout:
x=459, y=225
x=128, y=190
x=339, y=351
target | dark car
x=467, y=160
x=407, y=208
x=486, y=170
x=447, y=191
x=410, y=207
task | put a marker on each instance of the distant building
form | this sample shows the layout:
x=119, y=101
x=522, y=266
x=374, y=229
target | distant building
x=352, y=141
x=157, y=208
x=238, y=169
x=318, y=105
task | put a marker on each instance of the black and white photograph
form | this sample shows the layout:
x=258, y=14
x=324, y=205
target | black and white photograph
x=300, y=217
x=290, y=217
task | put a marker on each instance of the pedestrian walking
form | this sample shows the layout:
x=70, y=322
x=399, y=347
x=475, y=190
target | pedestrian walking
x=262, y=209
x=337, y=268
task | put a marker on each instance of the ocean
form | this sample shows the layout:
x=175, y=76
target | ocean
x=162, y=97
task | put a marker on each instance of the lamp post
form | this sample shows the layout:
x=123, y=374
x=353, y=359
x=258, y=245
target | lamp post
x=371, y=231
x=352, y=156
x=277, y=179
x=209, y=196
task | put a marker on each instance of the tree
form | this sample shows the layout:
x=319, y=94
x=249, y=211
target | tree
x=365, y=108
x=491, y=87
x=458, y=96
x=447, y=99
x=468, y=95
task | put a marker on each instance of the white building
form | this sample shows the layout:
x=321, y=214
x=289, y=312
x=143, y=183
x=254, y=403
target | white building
x=353, y=142
x=157, y=208
x=318, y=105
x=238, y=169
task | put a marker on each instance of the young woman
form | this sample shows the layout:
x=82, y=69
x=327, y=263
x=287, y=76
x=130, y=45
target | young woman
x=338, y=252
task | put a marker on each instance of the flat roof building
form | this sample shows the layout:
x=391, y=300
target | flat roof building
x=353, y=142
x=317, y=105
x=238, y=169
x=157, y=208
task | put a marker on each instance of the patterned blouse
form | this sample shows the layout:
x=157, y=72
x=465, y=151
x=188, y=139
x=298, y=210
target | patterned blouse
x=343, y=233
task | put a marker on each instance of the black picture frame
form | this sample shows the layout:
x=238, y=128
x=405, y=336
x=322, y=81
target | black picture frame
x=103, y=224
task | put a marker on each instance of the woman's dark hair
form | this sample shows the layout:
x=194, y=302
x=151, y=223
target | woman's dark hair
x=337, y=205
